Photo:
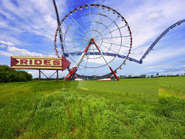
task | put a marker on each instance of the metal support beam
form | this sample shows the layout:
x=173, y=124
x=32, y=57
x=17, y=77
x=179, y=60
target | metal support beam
x=39, y=75
x=59, y=25
x=57, y=75
x=48, y=78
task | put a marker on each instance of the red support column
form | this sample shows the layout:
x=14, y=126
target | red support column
x=114, y=74
x=106, y=62
x=71, y=73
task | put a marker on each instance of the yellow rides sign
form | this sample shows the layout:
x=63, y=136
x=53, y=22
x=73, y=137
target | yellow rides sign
x=49, y=63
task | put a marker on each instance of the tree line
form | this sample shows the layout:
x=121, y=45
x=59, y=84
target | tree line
x=146, y=76
x=10, y=75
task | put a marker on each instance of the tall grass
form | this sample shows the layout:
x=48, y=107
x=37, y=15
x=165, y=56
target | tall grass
x=175, y=84
x=51, y=109
x=141, y=89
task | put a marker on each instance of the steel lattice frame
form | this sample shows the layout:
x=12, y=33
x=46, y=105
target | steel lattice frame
x=99, y=25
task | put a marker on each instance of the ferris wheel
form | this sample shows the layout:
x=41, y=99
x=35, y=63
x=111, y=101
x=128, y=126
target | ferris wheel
x=96, y=39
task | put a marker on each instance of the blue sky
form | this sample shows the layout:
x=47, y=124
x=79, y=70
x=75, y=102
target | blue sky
x=28, y=28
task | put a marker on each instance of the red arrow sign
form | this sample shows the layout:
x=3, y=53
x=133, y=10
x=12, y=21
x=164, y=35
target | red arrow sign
x=65, y=63
x=22, y=62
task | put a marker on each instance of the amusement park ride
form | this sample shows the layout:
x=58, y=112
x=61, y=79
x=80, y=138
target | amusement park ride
x=96, y=34
x=93, y=38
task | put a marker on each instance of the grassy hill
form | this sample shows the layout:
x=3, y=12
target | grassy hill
x=131, y=108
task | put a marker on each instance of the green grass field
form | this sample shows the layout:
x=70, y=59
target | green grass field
x=131, y=108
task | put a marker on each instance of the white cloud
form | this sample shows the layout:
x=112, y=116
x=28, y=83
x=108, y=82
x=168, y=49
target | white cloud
x=155, y=15
x=169, y=70
x=6, y=43
x=150, y=18
x=3, y=46
x=14, y=51
x=5, y=53
x=33, y=16
x=157, y=66
x=21, y=52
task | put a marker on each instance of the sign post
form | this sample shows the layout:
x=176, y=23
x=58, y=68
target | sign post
x=40, y=63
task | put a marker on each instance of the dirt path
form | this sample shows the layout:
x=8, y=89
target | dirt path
x=73, y=129
x=83, y=88
x=161, y=90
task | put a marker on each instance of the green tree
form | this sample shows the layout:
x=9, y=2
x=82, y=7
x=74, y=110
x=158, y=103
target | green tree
x=10, y=75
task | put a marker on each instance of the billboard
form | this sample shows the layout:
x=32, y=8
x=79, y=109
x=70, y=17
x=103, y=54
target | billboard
x=49, y=63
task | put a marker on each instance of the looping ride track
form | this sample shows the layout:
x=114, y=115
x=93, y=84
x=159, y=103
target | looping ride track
x=110, y=53
x=148, y=50
x=156, y=41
